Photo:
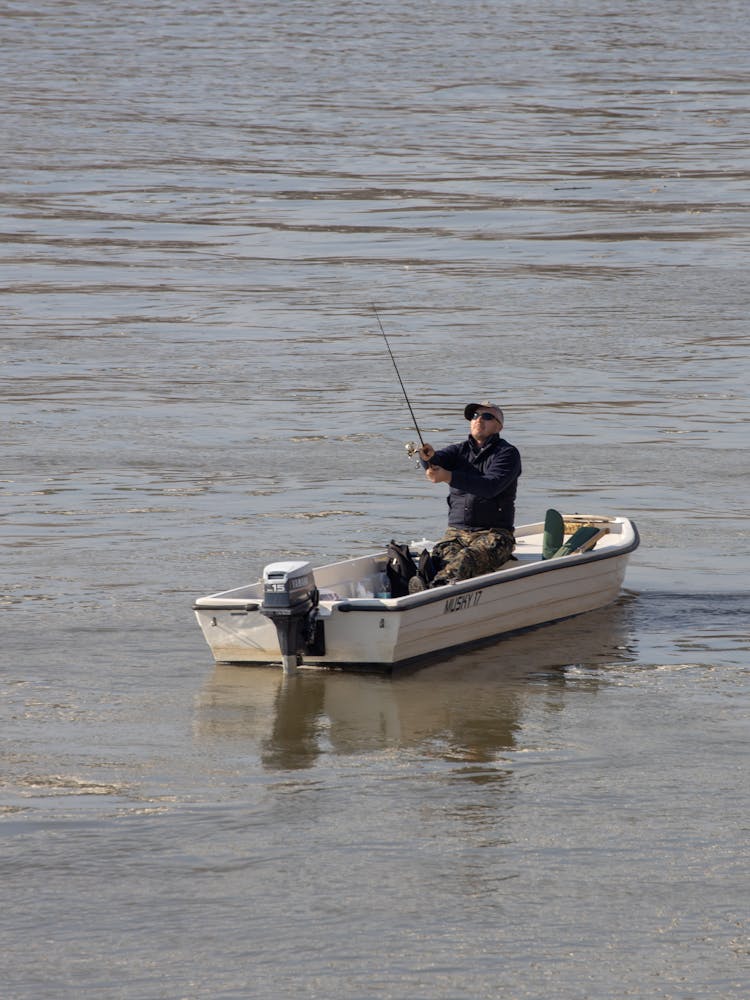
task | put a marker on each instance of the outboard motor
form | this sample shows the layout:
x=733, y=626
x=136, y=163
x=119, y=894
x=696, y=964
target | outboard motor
x=290, y=599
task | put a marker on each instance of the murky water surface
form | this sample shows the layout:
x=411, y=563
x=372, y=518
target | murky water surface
x=548, y=203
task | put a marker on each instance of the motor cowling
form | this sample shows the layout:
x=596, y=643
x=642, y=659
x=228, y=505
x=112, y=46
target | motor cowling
x=290, y=600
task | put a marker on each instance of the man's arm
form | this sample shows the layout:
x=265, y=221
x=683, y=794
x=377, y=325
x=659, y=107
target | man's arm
x=446, y=458
x=438, y=465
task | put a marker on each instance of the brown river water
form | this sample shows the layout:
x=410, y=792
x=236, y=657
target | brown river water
x=548, y=203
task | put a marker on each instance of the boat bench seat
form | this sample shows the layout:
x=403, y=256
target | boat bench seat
x=584, y=533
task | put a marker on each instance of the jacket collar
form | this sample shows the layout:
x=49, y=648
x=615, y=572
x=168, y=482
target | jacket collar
x=477, y=450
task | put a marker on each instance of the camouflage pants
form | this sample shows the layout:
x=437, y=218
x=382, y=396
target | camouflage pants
x=461, y=554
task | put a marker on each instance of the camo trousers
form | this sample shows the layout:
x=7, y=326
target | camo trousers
x=461, y=554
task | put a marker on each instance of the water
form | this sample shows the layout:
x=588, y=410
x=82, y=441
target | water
x=548, y=203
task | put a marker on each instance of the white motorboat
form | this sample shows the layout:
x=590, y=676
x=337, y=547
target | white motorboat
x=339, y=616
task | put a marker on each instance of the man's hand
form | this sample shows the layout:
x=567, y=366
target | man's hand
x=437, y=475
x=433, y=472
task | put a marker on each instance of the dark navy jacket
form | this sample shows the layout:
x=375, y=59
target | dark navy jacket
x=483, y=483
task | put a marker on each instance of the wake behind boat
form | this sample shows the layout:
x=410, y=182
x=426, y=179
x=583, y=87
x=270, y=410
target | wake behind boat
x=340, y=616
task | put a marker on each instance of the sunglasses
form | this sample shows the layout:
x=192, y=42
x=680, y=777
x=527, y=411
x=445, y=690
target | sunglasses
x=484, y=416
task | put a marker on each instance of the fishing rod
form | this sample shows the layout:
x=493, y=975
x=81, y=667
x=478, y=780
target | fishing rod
x=414, y=419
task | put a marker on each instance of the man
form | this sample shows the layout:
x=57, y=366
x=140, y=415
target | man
x=482, y=473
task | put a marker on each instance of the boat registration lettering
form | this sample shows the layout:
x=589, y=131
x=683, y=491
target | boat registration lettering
x=462, y=601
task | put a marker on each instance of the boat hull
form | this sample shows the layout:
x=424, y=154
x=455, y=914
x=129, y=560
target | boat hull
x=378, y=634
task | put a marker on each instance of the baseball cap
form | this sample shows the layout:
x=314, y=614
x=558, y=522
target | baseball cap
x=471, y=409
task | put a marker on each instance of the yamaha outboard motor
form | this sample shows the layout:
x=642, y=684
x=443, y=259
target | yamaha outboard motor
x=290, y=599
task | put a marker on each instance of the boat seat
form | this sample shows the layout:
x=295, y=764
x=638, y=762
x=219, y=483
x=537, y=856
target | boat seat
x=581, y=541
x=554, y=533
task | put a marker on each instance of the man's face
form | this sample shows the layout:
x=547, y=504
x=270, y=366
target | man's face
x=483, y=425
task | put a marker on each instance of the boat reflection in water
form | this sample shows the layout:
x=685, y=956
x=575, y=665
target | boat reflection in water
x=468, y=707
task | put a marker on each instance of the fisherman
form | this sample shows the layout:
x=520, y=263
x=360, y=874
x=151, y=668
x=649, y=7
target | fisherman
x=482, y=473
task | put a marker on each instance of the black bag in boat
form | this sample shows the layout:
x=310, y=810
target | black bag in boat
x=428, y=567
x=400, y=568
